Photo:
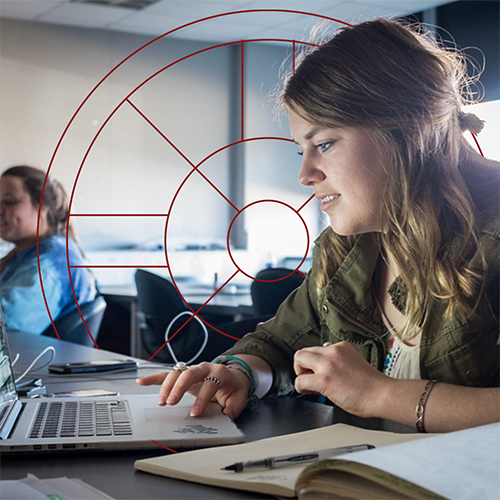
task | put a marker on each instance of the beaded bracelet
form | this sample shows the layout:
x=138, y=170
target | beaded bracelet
x=421, y=405
x=242, y=370
x=224, y=360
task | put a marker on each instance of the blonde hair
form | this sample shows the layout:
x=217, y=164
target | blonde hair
x=407, y=91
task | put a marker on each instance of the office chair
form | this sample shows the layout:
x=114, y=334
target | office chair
x=266, y=298
x=267, y=295
x=71, y=328
x=163, y=312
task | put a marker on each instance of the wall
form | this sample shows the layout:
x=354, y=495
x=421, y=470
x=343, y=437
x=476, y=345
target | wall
x=48, y=71
x=272, y=165
x=121, y=156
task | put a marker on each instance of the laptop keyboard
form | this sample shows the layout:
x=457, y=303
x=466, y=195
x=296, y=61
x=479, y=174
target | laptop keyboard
x=67, y=419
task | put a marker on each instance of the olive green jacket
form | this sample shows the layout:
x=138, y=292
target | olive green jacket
x=453, y=351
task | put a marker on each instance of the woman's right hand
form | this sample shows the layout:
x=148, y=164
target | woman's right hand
x=231, y=392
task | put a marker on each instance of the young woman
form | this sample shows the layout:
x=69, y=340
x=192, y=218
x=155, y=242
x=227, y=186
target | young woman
x=398, y=317
x=23, y=303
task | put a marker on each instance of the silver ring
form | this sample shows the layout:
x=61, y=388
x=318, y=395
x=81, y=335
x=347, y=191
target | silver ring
x=326, y=344
x=211, y=378
x=180, y=366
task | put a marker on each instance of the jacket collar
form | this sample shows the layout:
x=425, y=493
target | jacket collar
x=350, y=290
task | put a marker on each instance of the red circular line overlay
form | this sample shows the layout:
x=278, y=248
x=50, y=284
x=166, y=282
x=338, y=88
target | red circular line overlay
x=267, y=201
x=89, y=96
x=196, y=169
x=127, y=100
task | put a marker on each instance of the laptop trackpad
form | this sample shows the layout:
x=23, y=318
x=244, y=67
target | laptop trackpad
x=164, y=414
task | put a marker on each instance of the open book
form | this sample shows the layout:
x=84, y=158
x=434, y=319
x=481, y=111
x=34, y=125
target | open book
x=459, y=465
x=204, y=466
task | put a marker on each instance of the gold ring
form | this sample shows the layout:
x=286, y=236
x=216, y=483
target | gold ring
x=180, y=366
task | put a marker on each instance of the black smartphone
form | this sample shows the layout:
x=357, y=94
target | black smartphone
x=106, y=365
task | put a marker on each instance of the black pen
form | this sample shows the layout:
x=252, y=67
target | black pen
x=287, y=460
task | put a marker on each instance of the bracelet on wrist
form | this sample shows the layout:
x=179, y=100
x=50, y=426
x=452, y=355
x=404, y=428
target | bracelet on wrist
x=233, y=366
x=420, y=410
x=226, y=360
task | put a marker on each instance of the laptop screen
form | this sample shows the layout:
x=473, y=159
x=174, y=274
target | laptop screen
x=8, y=390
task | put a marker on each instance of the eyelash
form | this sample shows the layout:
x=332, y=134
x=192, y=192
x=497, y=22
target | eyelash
x=323, y=147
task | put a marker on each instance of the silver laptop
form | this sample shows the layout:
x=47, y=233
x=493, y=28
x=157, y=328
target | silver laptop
x=102, y=423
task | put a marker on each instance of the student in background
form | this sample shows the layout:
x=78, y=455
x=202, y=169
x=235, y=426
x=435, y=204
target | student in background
x=399, y=315
x=20, y=289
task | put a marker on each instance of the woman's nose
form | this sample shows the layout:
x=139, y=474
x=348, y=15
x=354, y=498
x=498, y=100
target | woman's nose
x=309, y=173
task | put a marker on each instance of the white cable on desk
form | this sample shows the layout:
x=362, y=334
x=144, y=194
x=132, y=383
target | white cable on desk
x=205, y=340
x=47, y=349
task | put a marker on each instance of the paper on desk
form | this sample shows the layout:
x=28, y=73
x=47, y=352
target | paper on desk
x=16, y=490
x=32, y=488
x=205, y=466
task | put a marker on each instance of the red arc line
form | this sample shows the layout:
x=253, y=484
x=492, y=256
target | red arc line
x=181, y=153
x=242, y=89
x=85, y=101
x=196, y=314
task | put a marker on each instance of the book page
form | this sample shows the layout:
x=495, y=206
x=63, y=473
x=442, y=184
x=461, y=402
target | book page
x=346, y=479
x=339, y=484
x=463, y=464
x=204, y=466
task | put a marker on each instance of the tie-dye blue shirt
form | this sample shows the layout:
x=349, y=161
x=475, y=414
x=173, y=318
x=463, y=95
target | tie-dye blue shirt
x=21, y=293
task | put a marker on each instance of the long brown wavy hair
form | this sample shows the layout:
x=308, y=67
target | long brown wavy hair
x=407, y=90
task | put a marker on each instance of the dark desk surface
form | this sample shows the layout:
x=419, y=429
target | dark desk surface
x=114, y=473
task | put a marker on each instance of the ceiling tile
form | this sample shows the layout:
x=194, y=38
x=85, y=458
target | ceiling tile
x=228, y=27
x=147, y=24
x=409, y=5
x=195, y=9
x=167, y=15
x=27, y=9
x=311, y=6
x=85, y=15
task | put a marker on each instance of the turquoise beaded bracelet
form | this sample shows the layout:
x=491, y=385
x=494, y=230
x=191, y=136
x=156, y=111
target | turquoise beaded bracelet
x=224, y=360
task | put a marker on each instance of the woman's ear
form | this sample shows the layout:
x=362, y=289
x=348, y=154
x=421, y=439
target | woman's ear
x=44, y=226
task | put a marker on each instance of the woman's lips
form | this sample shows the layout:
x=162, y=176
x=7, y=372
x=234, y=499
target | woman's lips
x=328, y=200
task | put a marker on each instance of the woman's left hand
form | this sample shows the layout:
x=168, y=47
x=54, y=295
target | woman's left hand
x=341, y=374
